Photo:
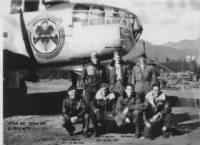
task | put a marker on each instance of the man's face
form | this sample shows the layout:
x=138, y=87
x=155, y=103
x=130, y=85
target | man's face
x=156, y=91
x=117, y=59
x=72, y=94
x=94, y=60
x=142, y=60
x=129, y=91
x=104, y=91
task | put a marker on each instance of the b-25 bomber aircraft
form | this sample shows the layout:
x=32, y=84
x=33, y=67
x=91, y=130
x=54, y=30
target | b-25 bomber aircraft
x=63, y=34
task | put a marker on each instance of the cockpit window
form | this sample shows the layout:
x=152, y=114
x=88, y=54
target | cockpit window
x=127, y=19
x=112, y=16
x=123, y=14
x=136, y=26
x=97, y=15
x=15, y=6
x=30, y=6
x=137, y=29
x=130, y=25
x=80, y=14
x=81, y=7
x=24, y=5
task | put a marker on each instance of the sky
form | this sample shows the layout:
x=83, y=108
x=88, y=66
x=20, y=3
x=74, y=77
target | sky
x=163, y=20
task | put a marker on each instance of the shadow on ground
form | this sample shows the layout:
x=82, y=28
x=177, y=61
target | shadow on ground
x=186, y=102
x=18, y=103
x=184, y=123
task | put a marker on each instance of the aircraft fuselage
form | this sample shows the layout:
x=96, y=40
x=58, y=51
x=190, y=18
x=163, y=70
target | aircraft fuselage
x=69, y=32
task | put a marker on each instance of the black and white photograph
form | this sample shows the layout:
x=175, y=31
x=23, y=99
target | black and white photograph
x=100, y=72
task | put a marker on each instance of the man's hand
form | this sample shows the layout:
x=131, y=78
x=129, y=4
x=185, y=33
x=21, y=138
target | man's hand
x=111, y=96
x=110, y=115
x=147, y=124
x=158, y=116
x=74, y=119
x=96, y=110
x=125, y=111
x=127, y=120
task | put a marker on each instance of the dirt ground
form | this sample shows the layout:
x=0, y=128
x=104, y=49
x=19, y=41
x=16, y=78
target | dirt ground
x=47, y=130
x=29, y=129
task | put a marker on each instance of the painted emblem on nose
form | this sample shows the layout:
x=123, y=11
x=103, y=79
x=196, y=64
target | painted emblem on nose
x=47, y=36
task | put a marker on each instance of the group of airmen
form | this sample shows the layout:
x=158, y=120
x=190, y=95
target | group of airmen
x=123, y=96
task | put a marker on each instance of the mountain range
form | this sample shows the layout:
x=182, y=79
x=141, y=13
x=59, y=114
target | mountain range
x=171, y=50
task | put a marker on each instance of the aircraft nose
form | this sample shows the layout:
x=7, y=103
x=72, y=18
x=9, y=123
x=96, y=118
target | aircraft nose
x=127, y=43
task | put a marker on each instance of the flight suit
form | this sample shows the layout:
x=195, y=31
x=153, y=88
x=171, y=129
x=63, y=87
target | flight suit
x=135, y=109
x=71, y=108
x=105, y=106
x=117, y=77
x=153, y=106
x=92, y=77
x=142, y=80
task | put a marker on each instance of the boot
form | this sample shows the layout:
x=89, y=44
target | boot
x=137, y=132
x=85, y=133
x=165, y=134
x=69, y=127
